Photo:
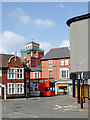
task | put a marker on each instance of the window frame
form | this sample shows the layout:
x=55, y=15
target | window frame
x=50, y=63
x=61, y=63
x=37, y=75
x=15, y=88
x=49, y=73
x=67, y=61
x=0, y=72
x=15, y=73
x=67, y=73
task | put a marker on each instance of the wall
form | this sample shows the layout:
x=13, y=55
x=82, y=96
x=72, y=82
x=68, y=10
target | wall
x=79, y=46
x=55, y=68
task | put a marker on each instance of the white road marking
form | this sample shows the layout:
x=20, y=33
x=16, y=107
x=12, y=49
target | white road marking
x=65, y=107
x=58, y=106
x=26, y=115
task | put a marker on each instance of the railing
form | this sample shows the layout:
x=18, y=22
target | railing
x=33, y=48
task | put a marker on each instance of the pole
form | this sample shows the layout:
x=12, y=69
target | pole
x=73, y=88
x=81, y=95
x=83, y=91
x=78, y=90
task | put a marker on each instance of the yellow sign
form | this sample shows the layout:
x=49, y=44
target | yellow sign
x=60, y=85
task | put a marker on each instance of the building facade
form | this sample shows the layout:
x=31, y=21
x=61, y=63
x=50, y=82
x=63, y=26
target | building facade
x=79, y=55
x=14, y=75
x=56, y=64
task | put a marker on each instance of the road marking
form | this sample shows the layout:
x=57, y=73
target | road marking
x=27, y=115
x=58, y=106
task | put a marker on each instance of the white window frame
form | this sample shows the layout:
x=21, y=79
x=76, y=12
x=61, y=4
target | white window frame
x=50, y=63
x=66, y=62
x=61, y=64
x=0, y=73
x=37, y=74
x=11, y=88
x=15, y=88
x=15, y=73
x=10, y=69
x=20, y=88
x=20, y=73
x=67, y=73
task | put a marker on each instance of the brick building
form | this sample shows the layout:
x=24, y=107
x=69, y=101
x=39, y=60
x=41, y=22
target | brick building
x=56, y=64
x=14, y=75
x=31, y=55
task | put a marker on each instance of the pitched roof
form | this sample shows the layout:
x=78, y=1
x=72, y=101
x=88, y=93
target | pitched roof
x=4, y=59
x=38, y=68
x=57, y=53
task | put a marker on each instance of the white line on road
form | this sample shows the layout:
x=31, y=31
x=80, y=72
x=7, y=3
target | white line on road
x=58, y=106
x=27, y=115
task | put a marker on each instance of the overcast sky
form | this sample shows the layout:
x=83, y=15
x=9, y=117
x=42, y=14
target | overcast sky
x=45, y=22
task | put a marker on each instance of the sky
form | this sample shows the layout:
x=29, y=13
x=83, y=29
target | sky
x=45, y=22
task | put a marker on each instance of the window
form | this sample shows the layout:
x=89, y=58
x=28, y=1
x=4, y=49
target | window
x=62, y=62
x=0, y=73
x=15, y=73
x=15, y=88
x=50, y=73
x=19, y=73
x=19, y=88
x=64, y=72
x=11, y=88
x=36, y=74
x=50, y=63
x=11, y=73
x=66, y=62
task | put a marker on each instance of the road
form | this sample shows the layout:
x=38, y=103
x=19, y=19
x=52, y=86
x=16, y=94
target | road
x=44, y=107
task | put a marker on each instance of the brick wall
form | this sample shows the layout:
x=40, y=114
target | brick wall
x=55, y=68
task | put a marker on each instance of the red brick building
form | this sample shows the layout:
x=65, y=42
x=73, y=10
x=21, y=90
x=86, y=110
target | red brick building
x=56, y=64
x=14, y=75
x=31, y=55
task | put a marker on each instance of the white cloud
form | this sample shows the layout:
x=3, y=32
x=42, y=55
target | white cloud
x=10, y=42
x=24, y=19
x=46, y=46
x=47, y=22
x=65, y=43
x=21, y=15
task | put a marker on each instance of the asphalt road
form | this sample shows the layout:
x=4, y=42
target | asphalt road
x=44, y=107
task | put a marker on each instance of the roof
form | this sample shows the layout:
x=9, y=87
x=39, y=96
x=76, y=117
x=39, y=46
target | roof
x=78, y=18
x=38, y=68
x=57, y=53
x=32, y=42
x=4, y=59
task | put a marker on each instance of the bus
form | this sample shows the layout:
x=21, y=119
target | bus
x=42, y=87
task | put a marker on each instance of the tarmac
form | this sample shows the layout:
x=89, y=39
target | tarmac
x=70, y=105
